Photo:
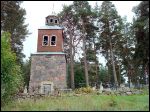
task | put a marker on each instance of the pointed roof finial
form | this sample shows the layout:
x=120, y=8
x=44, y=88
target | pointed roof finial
x=53, y=13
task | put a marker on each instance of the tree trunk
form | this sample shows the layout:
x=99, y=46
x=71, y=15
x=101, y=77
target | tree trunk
x=108, y=67
x=113, y=65
x=84, y=54
x=96, y=65
x=85, y=63
x=72, y=63
x=119, y=74
x=72, y=71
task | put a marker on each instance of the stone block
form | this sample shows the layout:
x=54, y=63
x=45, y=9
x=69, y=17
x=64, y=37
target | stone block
x=52, y=68
x=129, y=93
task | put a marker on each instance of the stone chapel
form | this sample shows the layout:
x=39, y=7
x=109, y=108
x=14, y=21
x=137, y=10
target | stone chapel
x=48, y=64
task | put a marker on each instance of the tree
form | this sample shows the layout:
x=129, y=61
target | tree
x=104, y=76
x=26, y=71
x=92, y=46
x=126, y=50
x=12, y=21
x=83, y=12
x=79, y=75
x=141, y=30
x=11, y=75
x=69, y=21
x=110, y=32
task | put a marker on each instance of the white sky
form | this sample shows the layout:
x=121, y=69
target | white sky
x=36, y=11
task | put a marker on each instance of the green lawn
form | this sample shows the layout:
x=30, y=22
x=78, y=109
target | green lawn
x=82, y=103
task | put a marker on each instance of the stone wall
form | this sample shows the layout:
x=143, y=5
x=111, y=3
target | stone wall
x=47, y=67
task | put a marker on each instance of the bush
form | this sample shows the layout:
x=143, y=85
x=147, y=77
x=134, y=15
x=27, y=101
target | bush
x=113, y=102
x=11, y=75
x=84, y=90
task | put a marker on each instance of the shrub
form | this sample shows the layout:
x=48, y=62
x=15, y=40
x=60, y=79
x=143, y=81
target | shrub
x=113, y=102
x=84, y=90
x=11, y=75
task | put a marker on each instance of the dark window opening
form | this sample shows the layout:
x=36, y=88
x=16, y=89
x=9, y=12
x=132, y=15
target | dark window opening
x=55, y=21
x=47, y=21
x=45, y=40
x=53, y=40
x=51, y=20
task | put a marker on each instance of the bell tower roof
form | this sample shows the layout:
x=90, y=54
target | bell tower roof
x=51, y=27
x=52, y=22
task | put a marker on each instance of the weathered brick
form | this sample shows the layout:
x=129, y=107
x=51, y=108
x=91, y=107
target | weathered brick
x=49, y=32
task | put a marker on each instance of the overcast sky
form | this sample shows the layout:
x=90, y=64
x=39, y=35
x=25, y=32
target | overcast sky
x=36, y=11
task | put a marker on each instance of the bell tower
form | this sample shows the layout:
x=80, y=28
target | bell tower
x=50, y=36
x=48, y=64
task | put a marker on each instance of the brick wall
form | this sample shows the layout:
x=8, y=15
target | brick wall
x=59, y=40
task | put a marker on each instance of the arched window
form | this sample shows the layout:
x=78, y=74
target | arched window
x=51, y=20
x=45, y=40
x=53, y=41
x=56, y=21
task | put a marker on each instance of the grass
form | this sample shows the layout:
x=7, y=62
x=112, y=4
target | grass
x=82, y=103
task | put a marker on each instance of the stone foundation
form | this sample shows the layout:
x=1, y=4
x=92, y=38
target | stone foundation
x=48, y=71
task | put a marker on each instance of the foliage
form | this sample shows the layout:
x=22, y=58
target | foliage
x=110, y=33
x=113, y=102
x=69, y=21
x=84, y=90
x=93, y=73
x=141, y=32
x=26, y=72
x=79, y=75
x=103, y=31
x=91, y=47
x=76, y=19
x=84, y=13
x=12, y=21
x=104, y=77
x=11, y=75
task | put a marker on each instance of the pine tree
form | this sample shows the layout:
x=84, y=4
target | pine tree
x=141, y=29
x=92, y=47
x=110, y=32
x=126, y=50
x=69, y=22
x=12, y=21
x=83, y=12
